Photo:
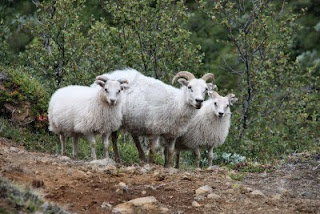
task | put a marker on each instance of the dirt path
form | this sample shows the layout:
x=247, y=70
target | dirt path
x=80, y=187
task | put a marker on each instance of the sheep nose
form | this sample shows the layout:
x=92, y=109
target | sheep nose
x=112, y=101
x=199, y=100
x=221, y=114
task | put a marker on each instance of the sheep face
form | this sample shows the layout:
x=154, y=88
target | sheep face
x=112, y=89
x=196, y=91
x=221, y=104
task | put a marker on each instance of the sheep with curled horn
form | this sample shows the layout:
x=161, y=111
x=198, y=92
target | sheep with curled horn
x=209, y=128
x=153, y=108
x=86, y=111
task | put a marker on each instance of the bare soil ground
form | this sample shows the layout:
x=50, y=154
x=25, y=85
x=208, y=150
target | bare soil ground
x=79, y=187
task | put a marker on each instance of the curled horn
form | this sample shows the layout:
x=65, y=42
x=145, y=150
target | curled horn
x=123, y=81
x=185, y=74
x=102, y=78
x=208, y=76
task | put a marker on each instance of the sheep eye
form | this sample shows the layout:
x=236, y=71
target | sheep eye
x=189, y=87
x=215, y=103
x=227, y=106
x=106, y=90
x=119, y=91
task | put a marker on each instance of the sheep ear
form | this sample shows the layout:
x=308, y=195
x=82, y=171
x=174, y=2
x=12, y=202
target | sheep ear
x=124, y=86
x=183, y=82
x=232, y=98
x=212, y=94
x=100, y=82
x=123, y=81
x=211, y=87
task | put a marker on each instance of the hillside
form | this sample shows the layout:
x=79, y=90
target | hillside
x=84, y=187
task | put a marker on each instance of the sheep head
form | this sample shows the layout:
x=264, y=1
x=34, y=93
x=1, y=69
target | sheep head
x=221, y=105
x=196, y=88
x=112, y=88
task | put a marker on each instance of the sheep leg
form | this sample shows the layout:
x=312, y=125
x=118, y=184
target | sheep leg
x=177, y=159
x=153, y=146
x=165, y=154
x=92, y=139
x=210, y=155
x=171, y=146
x=197, y=154
x=75, y=151
x=105, y=137
x=114, y=138
x=63, y=144
x=142, y=156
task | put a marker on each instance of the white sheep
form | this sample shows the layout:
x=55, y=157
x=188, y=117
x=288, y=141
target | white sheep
x=209, y=128
x=86, y=111
x=153, y=108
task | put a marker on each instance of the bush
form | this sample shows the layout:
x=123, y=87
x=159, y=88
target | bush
x=23, y=96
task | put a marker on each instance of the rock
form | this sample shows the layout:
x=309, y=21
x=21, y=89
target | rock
x=144, y=200
x=13, y=149
x=106, y=205
x=143, y=192
x=64, y=158
x=147, y=167
x=257, y=193
x=204, y=190
x=140, y=205
x=130, y=169
x=122, y=188
x=110, y=169
x=199, y=198
x=282, y=190
x=213, y=196
x=171, y=170
x=229, y=191
x=195, y=204
x=213, y=168
x=103, y=162
x=276, y=197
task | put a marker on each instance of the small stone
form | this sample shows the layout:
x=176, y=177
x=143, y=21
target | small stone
x=143, y=192
x=249, y=189
x=140, y=205
x=213, y=196
x=106, y=205
x=122, y=188
x=257, y=193
x=144, y=200
x=64, y=158
x=130, y=169
x=282, y=190
x=213, y=168
x=229, y=191
x=13, y=149
x=199, y=198
x=195, y=204
x=121, y=184
x=103, y=162
x=276, y=197
x=172, y=170
x=156, y=173
x=228, y=178
x=164, y=210
x=204, y=190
